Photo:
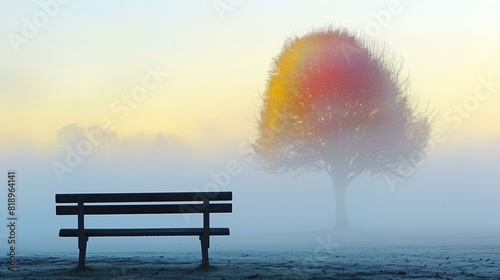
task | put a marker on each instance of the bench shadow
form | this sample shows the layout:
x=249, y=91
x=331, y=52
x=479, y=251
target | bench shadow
x=112, y=270
x=204, y=268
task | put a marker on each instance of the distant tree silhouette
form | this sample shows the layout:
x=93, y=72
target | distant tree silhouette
x=72, y=134
x=333, y=103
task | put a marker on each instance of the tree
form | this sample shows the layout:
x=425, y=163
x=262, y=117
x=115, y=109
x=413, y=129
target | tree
x=333, y=103
x=72, y=134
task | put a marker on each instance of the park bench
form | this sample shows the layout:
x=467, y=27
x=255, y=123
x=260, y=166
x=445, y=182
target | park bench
x=143, y=203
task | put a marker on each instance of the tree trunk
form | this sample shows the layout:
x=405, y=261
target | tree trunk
x=340, y=187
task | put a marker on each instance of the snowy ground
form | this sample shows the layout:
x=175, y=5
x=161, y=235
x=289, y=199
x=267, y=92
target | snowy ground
x=319, y=255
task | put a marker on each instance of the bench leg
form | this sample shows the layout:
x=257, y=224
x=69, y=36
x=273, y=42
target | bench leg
x=82, y=247
x=204, y=250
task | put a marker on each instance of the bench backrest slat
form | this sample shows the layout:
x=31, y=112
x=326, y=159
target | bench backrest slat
x=162, y=203
x=143, y=197
x=145, y=209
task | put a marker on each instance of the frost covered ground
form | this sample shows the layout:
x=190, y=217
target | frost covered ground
x=318, y=255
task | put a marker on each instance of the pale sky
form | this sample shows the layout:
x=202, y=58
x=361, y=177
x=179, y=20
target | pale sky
x=90, y=53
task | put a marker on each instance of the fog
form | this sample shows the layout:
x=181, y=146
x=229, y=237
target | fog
x=454, y=190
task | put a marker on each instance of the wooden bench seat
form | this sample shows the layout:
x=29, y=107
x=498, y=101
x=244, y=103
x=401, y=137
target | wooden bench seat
x=84, y=204
x=143, y=232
